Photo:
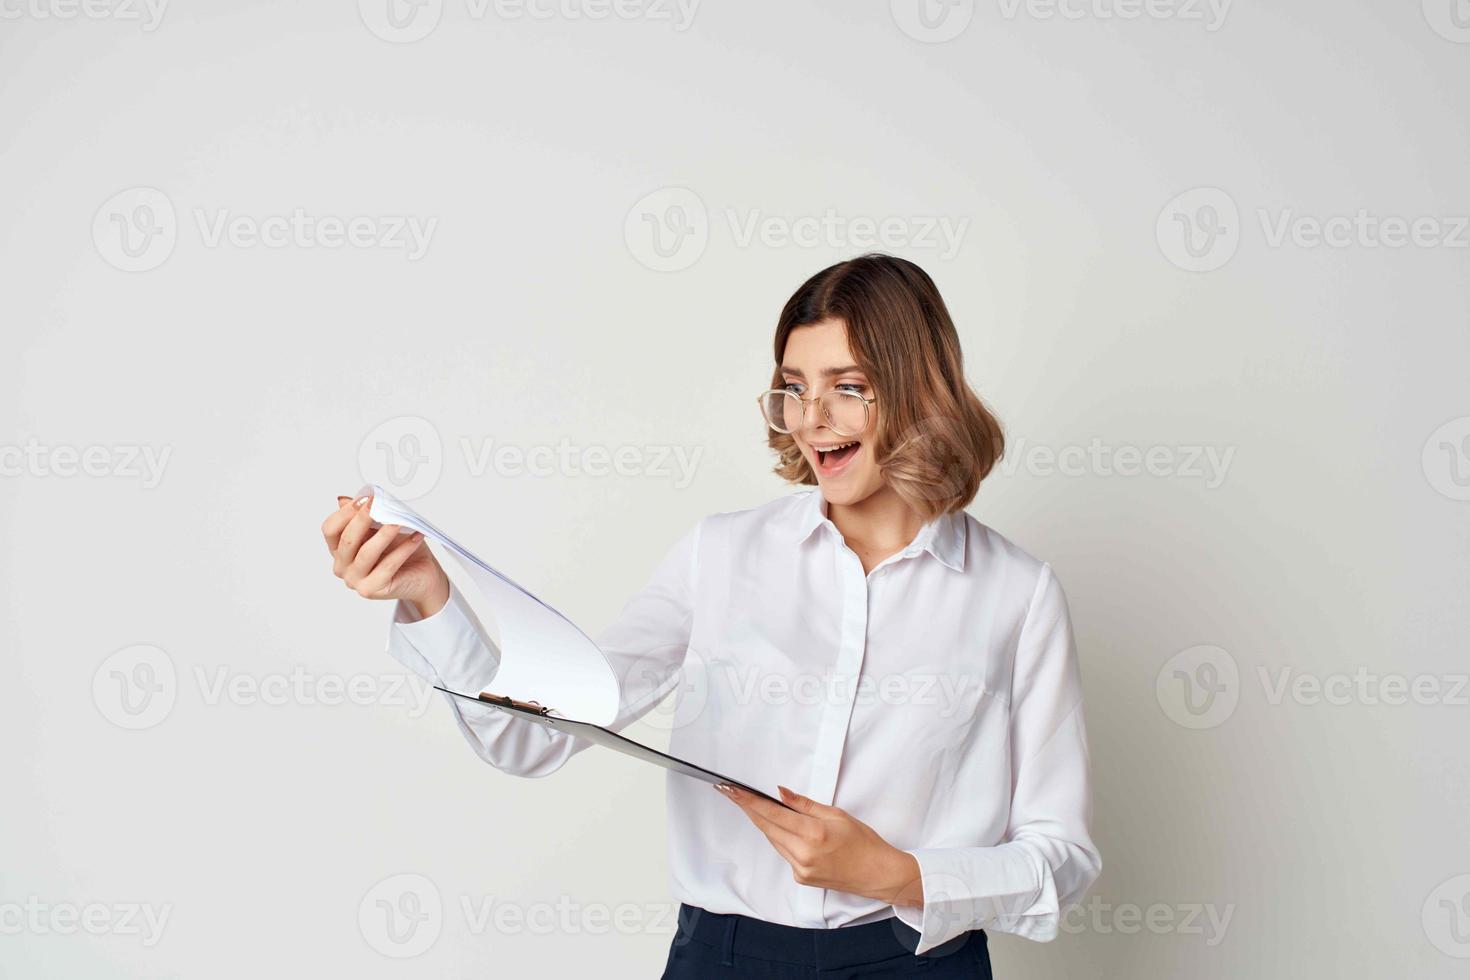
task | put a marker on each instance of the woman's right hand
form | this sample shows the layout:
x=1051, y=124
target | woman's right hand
x=383, y=563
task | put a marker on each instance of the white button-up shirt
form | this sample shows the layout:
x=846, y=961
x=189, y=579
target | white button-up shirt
x=935, y=698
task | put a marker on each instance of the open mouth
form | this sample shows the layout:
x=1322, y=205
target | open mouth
x=833, y=459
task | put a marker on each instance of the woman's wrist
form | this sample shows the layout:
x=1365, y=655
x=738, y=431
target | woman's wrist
x=437, y=598
x=901, y=884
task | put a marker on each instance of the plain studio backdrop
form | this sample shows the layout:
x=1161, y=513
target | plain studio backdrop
x=523, y=261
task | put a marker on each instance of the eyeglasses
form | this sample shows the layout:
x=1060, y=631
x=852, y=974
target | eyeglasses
x=846, y=412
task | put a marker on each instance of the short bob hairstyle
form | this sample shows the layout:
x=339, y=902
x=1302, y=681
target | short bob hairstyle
x=935, y=441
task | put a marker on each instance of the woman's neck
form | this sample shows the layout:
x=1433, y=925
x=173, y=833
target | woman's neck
x=878, y=526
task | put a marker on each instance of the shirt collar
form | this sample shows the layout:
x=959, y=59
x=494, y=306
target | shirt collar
x=943, y=537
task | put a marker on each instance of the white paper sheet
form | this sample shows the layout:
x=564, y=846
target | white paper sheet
x=544, y=656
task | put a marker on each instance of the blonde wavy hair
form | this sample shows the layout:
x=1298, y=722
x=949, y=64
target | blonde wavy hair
x=935, y=440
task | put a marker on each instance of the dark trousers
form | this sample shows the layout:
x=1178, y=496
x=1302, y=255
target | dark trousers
x=715, y=945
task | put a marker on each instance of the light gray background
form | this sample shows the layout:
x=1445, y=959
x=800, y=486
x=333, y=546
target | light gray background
x=1332, y=839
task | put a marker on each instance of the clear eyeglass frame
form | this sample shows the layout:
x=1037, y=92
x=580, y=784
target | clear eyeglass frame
x=833, y=403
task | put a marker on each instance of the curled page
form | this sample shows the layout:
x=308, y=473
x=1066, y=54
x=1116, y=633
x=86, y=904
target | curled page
x=544, y=657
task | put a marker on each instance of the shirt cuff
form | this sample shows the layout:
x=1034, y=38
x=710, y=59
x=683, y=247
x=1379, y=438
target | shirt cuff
x=1018, y=895
x=449, y=645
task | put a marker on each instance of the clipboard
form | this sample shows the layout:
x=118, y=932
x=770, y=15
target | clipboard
x=549, y=718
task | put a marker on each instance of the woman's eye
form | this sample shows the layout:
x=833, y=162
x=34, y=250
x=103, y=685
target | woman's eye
x=854, y=387
x=793, y=387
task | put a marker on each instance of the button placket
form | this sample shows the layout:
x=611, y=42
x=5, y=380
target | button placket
x=837, y=705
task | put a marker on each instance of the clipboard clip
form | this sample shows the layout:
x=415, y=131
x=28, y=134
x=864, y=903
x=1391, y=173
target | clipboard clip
x=530, y=707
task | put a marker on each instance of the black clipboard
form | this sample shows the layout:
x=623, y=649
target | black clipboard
x=534, y=712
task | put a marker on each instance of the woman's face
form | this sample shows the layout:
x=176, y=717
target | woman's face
x=818, y=360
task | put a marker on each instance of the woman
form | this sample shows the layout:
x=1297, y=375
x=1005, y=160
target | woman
x=908, y=672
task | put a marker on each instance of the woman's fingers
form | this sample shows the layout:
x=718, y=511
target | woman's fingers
x=773, y=813
x=778, y=834
x=373, y=548
x=381, y=577
x=353, y=535
x=336, y=521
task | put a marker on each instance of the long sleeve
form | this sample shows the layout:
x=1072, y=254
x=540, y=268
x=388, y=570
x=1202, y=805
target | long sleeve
x=645, y=645
x=1047, y=859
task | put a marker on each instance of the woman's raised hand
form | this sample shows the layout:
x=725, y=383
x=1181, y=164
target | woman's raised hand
x=383, y=563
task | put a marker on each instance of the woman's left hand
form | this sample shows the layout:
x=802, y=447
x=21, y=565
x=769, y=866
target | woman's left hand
x=827, y=847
